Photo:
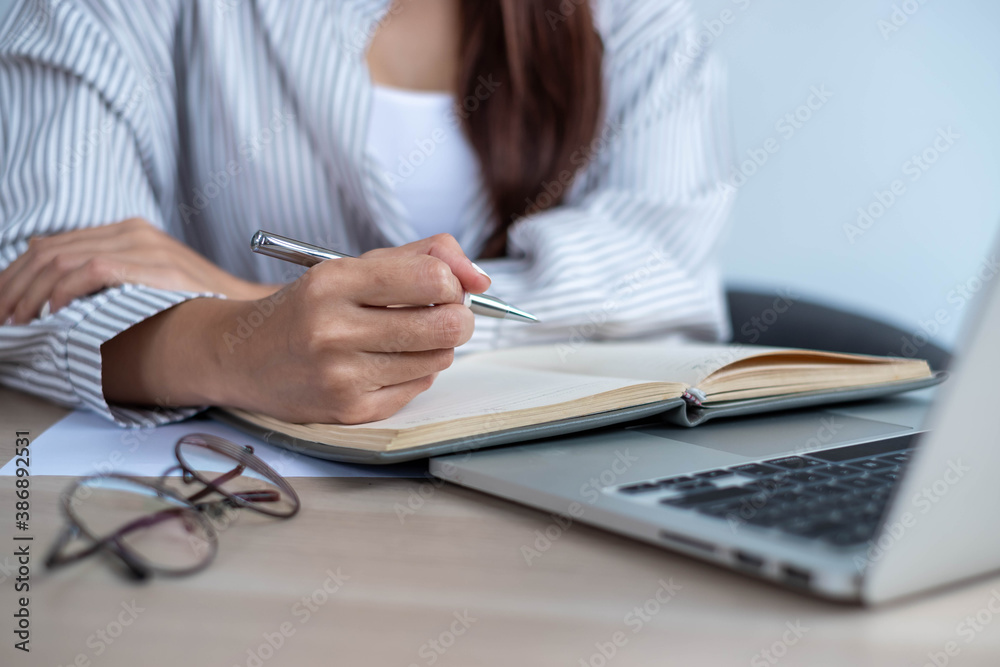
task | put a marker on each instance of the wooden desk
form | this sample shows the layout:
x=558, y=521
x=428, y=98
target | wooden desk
x=407, y=584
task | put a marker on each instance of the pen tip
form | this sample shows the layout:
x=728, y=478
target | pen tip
x=521, y=315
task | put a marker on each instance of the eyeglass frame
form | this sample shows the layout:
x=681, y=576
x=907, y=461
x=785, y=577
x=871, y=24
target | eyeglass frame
x=191, y=506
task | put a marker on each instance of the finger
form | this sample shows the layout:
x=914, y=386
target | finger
x=14, y=281
x=39, y=289
x=42, y=254
x=101, y=272
x=92, y=276
x=85, y=276
x=416, y=329
x=387, y=401
x=447, y=249
x=108, y=232
x=111, y=237
x=35, y=275
x=416, y=280
x=387, y=369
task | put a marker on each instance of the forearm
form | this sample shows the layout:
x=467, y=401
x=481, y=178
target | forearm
x=171, y=359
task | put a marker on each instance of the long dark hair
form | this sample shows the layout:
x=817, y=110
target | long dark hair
x=533, y=70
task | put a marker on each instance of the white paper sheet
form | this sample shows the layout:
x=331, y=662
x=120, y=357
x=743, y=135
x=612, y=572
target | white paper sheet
x=83, y=443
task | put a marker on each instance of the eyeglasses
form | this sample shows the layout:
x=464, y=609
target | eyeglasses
x=155, y=528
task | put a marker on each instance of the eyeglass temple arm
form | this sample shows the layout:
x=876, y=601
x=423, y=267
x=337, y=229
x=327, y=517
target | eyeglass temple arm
x=213, y=485
x=263, y=496
x=112, y=543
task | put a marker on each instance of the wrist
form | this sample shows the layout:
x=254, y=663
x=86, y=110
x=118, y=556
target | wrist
x=243, y=290
x=212, y=373
x=173, y=358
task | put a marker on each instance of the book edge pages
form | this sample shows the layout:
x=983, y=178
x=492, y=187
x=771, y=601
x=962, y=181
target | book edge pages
x=385, y=440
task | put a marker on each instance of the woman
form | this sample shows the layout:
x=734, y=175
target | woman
x=576, y=150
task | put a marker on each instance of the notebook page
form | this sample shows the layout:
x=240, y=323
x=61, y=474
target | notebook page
x=470, y=388
x=657, y=361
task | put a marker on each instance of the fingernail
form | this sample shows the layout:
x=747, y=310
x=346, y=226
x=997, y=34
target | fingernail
x=9, y=321
x=466, y=299
x=479, y=268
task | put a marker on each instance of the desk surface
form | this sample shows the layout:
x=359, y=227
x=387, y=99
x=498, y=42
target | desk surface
x=448, y=585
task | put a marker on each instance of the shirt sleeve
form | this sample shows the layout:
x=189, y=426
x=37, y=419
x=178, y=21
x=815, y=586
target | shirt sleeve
x=632, y=252
x=74, y=118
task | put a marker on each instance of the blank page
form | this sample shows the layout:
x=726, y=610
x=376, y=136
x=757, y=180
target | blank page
x=649, y=361
x=471, y=387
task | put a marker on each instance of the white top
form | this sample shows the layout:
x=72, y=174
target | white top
x=418, y=143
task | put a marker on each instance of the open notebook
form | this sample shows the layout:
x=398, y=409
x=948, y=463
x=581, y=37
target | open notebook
x=493, y=398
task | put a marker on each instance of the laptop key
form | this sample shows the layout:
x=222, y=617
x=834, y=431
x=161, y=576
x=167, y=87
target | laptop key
x=881, y=504
x=714, y=474
x=881, y=492
x=863, y=513
x=726, y=509
x=834, y=516
x=690, y=486
x=889, y=475
x=868, y=529
x=719, y=510
x=788, y=497
x=771, y=484
x=794, y=462
x=756, y=469
x=670, y=481
x=842, y=538
x=836, y=471
x=872, y=464
x=764, y=518
x=693, y=499
x=806, y=507
x=851, y=497
x=859, y=483
x=850, y=535
x=633, y=489
x=807, y=477
x=827, y=490
x=820, y=528
x=796, y=524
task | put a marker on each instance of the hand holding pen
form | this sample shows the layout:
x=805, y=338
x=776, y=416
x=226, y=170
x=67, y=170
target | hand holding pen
x=306, y=254
x=327, y=348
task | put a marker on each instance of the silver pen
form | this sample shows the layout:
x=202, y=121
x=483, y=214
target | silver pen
x=306, y=254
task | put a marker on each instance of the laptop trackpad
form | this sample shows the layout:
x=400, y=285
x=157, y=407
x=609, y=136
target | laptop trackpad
x=776, y=434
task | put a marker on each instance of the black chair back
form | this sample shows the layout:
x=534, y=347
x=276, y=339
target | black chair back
x=771, y=319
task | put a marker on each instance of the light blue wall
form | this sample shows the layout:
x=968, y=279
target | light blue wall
x=889, y=97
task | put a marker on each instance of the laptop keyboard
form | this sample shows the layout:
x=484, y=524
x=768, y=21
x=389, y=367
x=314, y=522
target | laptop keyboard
x=836, y=495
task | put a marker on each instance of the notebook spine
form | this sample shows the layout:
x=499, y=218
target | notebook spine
x=694, y=396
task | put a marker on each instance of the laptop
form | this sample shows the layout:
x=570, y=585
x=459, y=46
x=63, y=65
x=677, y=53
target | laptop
x=859, y=503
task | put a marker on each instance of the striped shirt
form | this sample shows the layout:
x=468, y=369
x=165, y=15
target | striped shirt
x=213, y=118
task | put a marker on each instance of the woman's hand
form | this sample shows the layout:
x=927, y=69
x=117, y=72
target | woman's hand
x=327, y=348
x=59, y=268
